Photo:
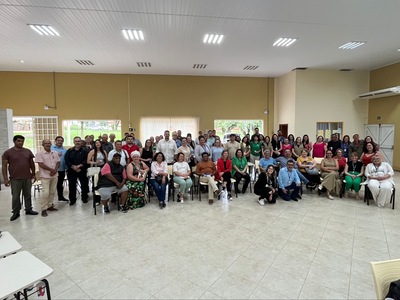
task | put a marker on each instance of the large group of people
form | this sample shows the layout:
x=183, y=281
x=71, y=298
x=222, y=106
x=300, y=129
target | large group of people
x=128, y=168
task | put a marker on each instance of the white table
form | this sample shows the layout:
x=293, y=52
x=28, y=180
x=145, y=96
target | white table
x=8, y=244
x=19, y=272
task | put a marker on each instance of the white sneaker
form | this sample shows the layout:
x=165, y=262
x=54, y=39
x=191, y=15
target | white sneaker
x=320, y=187
x=261, y=202
x=330, y=197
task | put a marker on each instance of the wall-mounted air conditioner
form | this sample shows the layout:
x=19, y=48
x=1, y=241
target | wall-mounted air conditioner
x=393, y=91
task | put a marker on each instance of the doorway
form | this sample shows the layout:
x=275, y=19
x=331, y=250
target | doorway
x=284, y=129
x=383, y=135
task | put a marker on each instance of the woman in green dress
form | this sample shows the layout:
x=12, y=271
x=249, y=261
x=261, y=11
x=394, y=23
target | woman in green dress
x=137, y=174
x=239, y=171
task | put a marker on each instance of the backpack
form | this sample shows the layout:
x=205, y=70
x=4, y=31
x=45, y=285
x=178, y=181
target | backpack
x=394, y=290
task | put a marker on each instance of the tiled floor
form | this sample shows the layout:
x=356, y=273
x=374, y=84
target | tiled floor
x=312, y=249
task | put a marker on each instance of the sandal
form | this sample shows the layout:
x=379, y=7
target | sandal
x=210, y=201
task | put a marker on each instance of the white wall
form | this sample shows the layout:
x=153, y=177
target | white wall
x=322, y=96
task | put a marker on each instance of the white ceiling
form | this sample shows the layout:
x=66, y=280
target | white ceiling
x=174, y=29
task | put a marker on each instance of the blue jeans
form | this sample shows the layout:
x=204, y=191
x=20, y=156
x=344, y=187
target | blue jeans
x=290, y=195
x=159, y=189
x=302, y=177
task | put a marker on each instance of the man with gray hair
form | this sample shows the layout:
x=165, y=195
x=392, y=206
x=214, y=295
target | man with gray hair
x=48, y=161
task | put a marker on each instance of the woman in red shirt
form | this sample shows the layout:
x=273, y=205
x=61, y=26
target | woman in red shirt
x=224, y=168
x=319, y=147
x=341, y=160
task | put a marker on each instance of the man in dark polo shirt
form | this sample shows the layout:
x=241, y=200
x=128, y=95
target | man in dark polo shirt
x=22, y=171
x=76, y=161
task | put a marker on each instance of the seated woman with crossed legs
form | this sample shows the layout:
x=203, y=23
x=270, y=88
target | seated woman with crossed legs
x=182, y=172
x=330, y=175
x=224, y=169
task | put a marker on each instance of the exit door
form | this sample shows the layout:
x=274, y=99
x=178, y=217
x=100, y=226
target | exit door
x=383, y=135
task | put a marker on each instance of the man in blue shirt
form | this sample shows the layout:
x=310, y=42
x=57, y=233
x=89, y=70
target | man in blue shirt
x=283, y=160
x=58, y=147
x=266, y=161
x=289, y=182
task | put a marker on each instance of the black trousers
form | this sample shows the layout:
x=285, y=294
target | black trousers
x=72, y=181
x=60, y=184
x=227, y=177
x=239, y=177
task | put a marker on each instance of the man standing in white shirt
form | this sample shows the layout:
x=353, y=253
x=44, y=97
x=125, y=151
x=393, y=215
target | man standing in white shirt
x=118, y=149
x=167, y=147
x=48, y=161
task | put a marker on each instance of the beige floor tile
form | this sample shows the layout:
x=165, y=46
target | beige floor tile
x=312, y=290
x=322, y=275
x=261, y=292
x=284, y=283
x=295, y=265
x=229, y=286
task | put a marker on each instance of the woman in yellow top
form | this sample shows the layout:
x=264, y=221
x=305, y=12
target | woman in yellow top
x=308, y=167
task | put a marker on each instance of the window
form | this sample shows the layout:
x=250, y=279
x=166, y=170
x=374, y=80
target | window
x=151, y=126
x=35, y=130
x=81, y=128
x=327, y=128
x=241, y=127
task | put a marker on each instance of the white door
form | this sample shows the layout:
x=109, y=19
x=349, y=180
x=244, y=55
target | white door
x=383, y=135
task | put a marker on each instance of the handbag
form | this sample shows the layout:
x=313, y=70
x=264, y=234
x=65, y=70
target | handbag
x=159, y=179
x=313, y=171
x=92, y=171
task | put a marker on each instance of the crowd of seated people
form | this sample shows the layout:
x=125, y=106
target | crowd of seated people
x=284, y=163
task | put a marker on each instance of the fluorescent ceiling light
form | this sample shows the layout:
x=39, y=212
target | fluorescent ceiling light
x=44, y=29
x=351, y=45
x=284, y=42
x=133, y=34
x=213, y=38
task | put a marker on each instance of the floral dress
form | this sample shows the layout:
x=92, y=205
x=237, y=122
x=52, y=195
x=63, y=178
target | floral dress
x=136, y=191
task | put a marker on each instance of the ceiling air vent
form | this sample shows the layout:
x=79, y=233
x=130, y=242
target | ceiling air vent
x=84, y=62
x=346, y=70
x=199, y=66
x=300, y=69
x=144, y=64
x=250, y=68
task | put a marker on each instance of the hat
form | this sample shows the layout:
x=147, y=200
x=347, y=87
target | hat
x=135, y=153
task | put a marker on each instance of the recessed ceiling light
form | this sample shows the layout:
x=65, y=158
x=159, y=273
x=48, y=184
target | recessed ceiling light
x=22, y=61
x=144, y=64
x=210, y=38
x=351, y=45
x=44, y=29
x=84, y=62
x=250, y=68
x=398, y=50
x=284, y=42
x=199, y=66
x=133, y=34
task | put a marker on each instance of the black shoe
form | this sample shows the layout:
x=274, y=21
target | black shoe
x=72, y=203
x=163, y=204
x=63, y=199
x=14, y=216
x=106, y=209
x=298, y=197
x=31, y=212
x=85, y=200
x=311, y=185
x=123, y=209
x=294, y=199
